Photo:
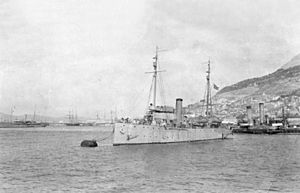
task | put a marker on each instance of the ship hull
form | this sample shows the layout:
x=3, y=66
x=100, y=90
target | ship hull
x=22, y=125
x=72, y=124
x=129, y=134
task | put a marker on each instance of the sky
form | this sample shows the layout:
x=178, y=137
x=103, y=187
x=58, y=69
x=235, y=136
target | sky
x=90, y=56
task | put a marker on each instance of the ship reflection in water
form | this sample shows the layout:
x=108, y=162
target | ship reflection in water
x=51, y=160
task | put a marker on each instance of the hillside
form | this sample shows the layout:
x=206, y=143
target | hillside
x=294, y=62
x=285, y=81
x=281, y=82
x=278, y=89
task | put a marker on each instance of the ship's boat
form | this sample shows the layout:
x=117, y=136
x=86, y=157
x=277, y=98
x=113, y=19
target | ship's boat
x=163, y=124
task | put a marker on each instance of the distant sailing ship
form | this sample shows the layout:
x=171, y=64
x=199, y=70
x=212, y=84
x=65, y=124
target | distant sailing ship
x=73, y=120
x=162, y=124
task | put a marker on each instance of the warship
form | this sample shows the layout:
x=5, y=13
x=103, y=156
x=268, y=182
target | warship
x=163, y=124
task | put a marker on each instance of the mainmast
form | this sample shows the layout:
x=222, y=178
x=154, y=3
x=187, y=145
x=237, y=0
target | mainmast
x=11, y=113
x=208, y=92
x=69, y=116
x=34, y=113
x=76, y=117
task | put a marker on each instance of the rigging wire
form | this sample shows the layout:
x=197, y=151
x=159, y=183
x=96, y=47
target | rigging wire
x=162, y=90
x=163, y=96
x=137, y=95
x=210, y=103
x=104, y=138
x=137, y=101
x=149, y=97
x=203, y=103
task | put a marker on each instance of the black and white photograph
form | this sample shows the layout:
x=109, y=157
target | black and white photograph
x=150, y=96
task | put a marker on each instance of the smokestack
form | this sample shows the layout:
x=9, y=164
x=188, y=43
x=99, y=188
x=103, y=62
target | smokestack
x=178, y=112
x=267, y=119
x=249, y=115
x=283, y=117
x=261, y=113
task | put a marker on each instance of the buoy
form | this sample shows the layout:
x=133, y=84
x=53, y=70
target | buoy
x=89, y=143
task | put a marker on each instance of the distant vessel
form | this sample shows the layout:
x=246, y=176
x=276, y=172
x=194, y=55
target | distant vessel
x=278, y=125
x=72, y=124
x=162, y=124
x=15, y=124
x=73, y=120
x=22, y=123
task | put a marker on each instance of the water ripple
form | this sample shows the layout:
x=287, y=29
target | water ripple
x=39, y=160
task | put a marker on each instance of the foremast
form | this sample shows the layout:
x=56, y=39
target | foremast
x=155, y=63
x=154, y=80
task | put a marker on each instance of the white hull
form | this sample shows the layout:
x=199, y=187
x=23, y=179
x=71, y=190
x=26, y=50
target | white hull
x=130, y=134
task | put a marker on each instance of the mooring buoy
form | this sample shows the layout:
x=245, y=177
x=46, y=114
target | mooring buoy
x=89, y=143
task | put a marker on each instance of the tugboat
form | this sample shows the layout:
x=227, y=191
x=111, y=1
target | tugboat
x=162, y=124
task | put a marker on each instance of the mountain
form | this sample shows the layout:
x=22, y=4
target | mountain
x=284, y=81
x=294, y=62
x=6, y=117
x=275, y=90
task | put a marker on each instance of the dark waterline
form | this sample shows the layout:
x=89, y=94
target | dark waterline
x=51, y=159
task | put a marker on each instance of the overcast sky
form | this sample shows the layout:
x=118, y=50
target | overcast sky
x=91, y=55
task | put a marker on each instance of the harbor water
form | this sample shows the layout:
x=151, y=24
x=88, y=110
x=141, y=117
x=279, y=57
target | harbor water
x=51, y=160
